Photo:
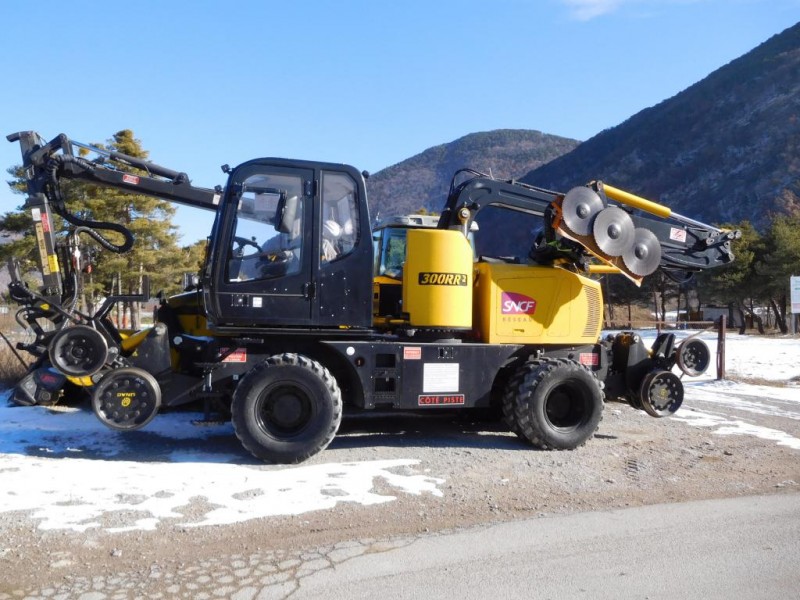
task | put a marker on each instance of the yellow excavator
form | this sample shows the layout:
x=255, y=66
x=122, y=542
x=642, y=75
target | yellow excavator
x=301, y=310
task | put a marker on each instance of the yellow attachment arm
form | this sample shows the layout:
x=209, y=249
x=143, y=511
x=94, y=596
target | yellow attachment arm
x=132, y=341
x=637, y=201
x=604, y=270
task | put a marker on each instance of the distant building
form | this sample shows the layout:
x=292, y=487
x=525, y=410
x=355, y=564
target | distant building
x=713, y=313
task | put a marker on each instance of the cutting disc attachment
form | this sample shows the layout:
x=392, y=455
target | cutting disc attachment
x=644, y=255
x=579, y=208
x=613, y=231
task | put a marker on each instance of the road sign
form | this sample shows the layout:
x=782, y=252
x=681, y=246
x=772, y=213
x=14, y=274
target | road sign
x=794, y=285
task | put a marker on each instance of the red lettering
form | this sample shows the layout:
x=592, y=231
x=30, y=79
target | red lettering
x=443, y=399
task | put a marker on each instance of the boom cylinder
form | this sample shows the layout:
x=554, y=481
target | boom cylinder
x=637, y=201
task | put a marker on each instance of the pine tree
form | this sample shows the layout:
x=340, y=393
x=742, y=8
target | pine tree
x=739, y=284
x=781, y=260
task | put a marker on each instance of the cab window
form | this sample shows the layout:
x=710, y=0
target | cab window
x=267, y=240
x=340, y=227
x=390, y=255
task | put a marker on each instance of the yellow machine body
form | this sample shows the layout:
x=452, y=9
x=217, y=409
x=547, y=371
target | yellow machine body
x=188, y=307
x=437, y=279
x=525, y=304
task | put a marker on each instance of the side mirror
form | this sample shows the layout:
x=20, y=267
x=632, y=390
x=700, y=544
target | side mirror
x=284, y=216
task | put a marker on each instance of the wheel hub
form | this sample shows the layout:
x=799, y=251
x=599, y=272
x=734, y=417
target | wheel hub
x=286, y=409
x=564, y=408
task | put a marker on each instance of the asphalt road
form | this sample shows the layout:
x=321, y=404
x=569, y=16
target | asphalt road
x=735, y=548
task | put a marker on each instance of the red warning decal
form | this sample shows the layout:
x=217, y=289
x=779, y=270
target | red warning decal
x=589, y=359
x=237, y=356
x=132, y=179
x=438, y=399
x=412, y=353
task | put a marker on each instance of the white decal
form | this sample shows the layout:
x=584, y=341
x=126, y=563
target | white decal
x=439, y=377
x=677, y=235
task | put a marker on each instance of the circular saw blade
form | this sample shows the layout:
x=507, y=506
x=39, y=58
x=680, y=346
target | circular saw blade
x=579, y=208
x=644, y=255
x=613, y=230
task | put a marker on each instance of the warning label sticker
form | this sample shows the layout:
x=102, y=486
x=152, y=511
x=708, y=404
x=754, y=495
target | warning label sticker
x=677, y=235
x=412, y=353
x=439, y=378
x=237, y=356
x=440, y=399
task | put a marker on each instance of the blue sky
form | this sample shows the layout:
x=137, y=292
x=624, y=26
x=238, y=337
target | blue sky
x=364, y=82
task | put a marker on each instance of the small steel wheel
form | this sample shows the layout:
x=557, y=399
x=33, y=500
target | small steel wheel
x=661, y=393
x=126, y=399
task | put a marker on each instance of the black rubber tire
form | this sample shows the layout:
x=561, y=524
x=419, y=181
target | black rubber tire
x=557, y=404
x=286, y=409
x=508, y=406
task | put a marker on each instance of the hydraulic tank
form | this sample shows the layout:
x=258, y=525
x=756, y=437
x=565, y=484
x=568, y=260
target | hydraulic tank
x=437, y=279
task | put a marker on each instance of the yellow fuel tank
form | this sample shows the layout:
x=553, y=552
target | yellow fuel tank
x=437, y=279
x=527, y=304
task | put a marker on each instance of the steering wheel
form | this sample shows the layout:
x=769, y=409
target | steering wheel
x=241, y=242
x=274, y=264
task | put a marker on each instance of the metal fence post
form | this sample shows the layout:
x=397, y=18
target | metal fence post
x=721, y=348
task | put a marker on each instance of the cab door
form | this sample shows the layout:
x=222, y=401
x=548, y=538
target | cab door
x=344, y=276
x=264, y=247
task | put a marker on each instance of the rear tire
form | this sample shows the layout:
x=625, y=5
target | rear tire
x=554, y=404
x=286, y=409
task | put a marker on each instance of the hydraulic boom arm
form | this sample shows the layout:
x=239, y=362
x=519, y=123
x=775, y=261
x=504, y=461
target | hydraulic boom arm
x=632, y=243
x=47, y=163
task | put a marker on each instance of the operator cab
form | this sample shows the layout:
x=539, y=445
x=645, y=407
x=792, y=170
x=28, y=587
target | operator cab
x=289, y=248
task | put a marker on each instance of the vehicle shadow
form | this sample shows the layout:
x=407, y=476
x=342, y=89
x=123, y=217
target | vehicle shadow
x=467, y=429
x=182, y=436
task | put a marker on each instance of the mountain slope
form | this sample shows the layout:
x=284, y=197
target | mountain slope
x=422, y=181
x=724, y=149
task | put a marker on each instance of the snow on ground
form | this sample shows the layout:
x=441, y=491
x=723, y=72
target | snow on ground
x=74, y=473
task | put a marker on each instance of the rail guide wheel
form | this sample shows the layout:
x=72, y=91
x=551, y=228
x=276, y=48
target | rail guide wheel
x=78, y=351
x=661, y=393
x=126, y=399
x=694, y=357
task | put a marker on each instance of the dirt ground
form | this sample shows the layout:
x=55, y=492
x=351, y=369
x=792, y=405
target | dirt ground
x=489, y=476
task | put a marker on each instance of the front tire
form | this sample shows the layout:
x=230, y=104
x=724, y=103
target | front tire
x=286, y=409
x=554, y=404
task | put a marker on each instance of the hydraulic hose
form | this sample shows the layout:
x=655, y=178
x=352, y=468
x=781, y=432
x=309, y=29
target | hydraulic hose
x=55, y=196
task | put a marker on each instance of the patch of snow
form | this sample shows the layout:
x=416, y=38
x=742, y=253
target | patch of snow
x=79, y=494
x=724, y=426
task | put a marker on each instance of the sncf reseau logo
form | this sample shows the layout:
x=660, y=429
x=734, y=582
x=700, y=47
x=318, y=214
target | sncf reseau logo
x=517, y=304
